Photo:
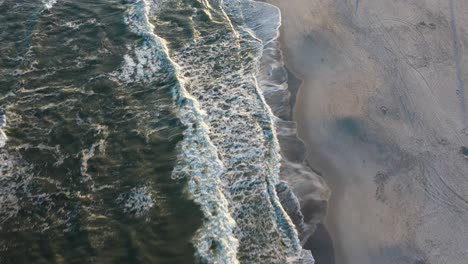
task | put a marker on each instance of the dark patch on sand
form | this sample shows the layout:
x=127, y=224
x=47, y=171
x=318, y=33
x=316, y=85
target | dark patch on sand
x=321, y=246
x=384, y=110
x=420, y=261
x=294, y=84
x=349, y=126
x=464, y=152
x=352, y=127
x=429, y=25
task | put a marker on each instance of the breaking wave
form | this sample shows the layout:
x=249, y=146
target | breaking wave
x=230, y=154
x=198, y=158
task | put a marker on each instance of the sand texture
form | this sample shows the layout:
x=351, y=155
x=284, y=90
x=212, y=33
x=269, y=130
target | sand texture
x=383, y=113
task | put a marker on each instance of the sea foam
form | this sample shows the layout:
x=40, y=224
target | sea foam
x=197, y=159
x=230, y=153
x=219, y=56
x=48, y=4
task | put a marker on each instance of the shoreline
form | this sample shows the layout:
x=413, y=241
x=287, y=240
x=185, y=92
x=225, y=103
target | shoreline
x=321, y=242
x=329, y=253
x=302, y=191
x=327, y=231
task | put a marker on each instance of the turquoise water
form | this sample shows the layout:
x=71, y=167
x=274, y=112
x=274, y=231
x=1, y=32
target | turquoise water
x=137, y=133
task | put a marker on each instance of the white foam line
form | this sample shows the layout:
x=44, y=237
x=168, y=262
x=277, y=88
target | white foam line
x=48, y=4
x=289, y=231
x=214, y=241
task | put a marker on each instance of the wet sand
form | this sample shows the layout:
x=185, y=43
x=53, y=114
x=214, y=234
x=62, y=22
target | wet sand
x=382, y=110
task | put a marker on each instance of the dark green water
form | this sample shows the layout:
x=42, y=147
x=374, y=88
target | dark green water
x=85, y=174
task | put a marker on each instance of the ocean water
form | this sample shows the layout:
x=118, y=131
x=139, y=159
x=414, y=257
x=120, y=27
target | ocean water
x=136, y=132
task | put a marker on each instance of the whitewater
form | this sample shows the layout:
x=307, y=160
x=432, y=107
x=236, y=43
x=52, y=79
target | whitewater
x=230, y=152
x=190, y=74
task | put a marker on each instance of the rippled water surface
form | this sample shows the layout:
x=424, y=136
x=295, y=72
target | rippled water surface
x=86, y=171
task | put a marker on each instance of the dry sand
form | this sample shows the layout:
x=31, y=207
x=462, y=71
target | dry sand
x=383, y=113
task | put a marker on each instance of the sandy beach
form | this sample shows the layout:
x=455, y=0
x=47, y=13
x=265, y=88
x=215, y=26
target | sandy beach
x=382, y=110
